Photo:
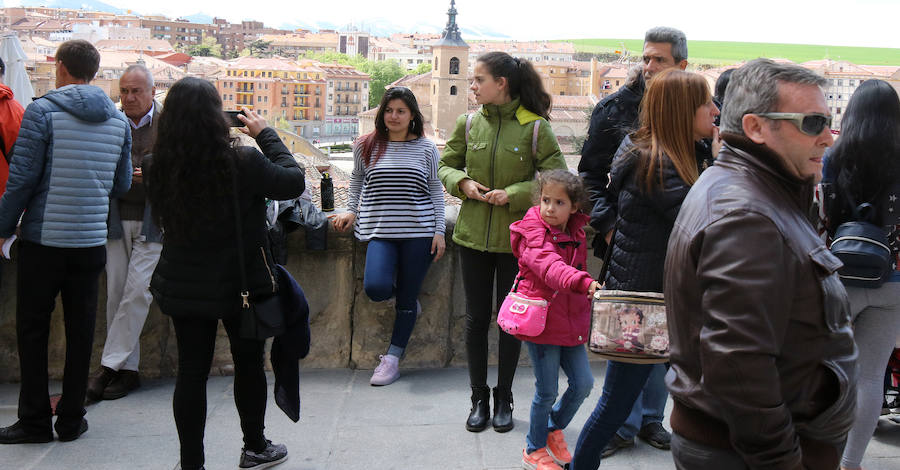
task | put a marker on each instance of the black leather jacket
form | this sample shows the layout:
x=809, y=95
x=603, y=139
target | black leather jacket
x=759, y=322
x=613, y=118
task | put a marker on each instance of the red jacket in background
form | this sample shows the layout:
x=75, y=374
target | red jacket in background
x=545, y=266
x=10, y=119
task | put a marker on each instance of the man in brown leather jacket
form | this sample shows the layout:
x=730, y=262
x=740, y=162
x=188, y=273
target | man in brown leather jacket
x=761, y=347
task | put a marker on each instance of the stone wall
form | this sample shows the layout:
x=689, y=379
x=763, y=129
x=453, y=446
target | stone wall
x=348, y=329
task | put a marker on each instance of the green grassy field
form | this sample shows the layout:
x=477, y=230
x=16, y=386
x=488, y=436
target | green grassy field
x=719, y=52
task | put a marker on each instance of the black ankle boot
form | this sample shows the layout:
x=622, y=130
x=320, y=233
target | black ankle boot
x=481, y=408
x=503, y=406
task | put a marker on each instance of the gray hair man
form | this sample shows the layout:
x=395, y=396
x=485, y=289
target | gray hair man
x=72, y=156
x=132, y=250
x=613, y=118
x=762, y=355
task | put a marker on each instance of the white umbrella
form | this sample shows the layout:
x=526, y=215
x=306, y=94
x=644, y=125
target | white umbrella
x=16, y=78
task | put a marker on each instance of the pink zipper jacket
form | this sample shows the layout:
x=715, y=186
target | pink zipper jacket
x=546, y=266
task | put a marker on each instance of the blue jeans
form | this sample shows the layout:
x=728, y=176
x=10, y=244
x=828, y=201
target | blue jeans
x=407, y=260
x=546, y=416
x=621, y=388
x=650, y=406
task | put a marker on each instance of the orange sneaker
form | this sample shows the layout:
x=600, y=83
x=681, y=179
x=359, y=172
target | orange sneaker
x=538, y=460
x=557, y=448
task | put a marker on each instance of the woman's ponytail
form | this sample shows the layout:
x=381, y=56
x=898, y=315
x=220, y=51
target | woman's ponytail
x=523, y=81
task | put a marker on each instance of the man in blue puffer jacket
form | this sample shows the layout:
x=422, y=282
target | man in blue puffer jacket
x=72, y=154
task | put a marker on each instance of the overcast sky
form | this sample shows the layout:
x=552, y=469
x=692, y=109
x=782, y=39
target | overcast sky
x=828, y=22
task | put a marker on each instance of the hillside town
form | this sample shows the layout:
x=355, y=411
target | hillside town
x=263, y=68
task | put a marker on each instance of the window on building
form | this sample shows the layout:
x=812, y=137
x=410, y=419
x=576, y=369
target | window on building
x=852, y=82
x=840, y=83
x=839, y=110
x=365, y=85
x=330, y=84
x=453, y=90
x=454, y=66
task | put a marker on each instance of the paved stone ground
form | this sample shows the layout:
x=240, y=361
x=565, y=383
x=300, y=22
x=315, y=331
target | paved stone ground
x=416, y=423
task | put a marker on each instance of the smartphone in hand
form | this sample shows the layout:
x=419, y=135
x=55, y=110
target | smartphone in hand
x=233, y=120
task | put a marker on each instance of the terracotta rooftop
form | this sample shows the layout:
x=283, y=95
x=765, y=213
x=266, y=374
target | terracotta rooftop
x=134, y=45
x=573, y=102
x=408, y=80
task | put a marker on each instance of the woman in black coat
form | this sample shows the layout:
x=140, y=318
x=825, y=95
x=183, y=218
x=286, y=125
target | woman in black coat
x=650, y=177
x=191, y=184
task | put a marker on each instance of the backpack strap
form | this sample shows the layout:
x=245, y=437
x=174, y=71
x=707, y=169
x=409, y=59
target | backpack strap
x=534, y=138
x=469, y=125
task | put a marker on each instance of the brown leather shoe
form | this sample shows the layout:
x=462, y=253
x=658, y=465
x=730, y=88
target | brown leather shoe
x=98, y=382
x=126, y=381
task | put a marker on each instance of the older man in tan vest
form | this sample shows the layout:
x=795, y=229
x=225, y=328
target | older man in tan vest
x=132, y=250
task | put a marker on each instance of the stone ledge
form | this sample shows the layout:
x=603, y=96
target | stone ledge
x=348, y=329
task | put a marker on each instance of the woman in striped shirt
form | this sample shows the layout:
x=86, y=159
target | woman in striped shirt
x=396, y=203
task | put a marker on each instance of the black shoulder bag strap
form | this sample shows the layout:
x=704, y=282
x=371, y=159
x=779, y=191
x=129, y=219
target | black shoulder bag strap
x=245, y=293
x=604, y=270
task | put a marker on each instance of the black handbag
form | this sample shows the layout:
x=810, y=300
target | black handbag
x=863, y=248
x=261, y=318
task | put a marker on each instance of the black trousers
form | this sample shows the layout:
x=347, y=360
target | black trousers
x=44, y=272
x=480, y=271
x=196, y=344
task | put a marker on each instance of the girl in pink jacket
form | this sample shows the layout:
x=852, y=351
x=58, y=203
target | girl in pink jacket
x=549, y=243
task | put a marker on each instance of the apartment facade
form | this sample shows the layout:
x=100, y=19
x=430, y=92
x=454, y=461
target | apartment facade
x=276, y=88
x=347, y=96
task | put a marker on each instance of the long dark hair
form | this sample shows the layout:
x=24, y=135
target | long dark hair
x=868, y=149
x=375, y=143
x=521, y=78
x=667, y=127
x=189, y=180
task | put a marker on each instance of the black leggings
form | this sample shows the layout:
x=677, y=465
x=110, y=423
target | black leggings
x=479, y=268
x=196, y=345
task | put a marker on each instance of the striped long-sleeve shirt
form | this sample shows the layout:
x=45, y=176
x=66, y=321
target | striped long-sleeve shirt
x=400, y=196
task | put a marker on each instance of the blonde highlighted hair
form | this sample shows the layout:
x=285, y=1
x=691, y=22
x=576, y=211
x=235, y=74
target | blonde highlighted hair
x=667, y=126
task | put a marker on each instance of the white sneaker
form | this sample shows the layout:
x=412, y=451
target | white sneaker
x=387, y=372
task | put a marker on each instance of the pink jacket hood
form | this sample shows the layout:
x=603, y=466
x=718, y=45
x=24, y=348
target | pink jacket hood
x=546, y=266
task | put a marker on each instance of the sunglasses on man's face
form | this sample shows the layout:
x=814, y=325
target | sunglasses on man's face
x=810, y=124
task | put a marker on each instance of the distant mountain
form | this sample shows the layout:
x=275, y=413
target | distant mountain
x=88, y=5
x=375, y=26
x=199, y=18
x=385, y=27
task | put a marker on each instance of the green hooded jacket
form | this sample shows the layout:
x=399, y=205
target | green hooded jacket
x=499, y=156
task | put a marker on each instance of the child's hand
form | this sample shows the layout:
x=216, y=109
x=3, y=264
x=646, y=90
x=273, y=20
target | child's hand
x=593, y=288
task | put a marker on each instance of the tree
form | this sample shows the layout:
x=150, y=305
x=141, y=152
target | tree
x=382, y=73
x=284, y=124
x=208, y=47
x=424, y=67
x=260, y=48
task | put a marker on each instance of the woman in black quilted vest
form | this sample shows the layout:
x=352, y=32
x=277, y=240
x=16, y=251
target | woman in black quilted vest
x=650, y=177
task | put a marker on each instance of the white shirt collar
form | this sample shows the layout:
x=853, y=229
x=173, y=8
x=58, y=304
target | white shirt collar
x=146, y=120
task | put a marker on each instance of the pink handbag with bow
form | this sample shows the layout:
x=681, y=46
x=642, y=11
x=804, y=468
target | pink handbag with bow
x=523, y=315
